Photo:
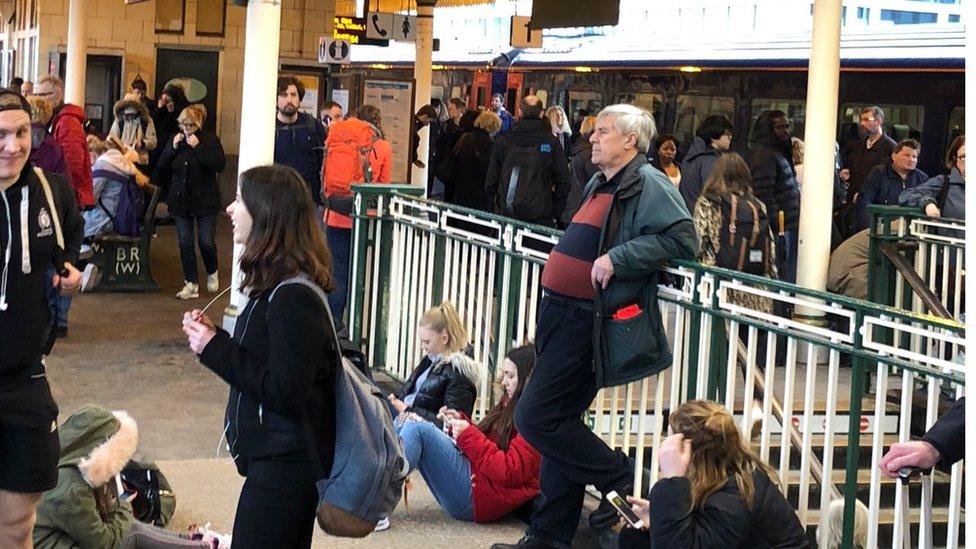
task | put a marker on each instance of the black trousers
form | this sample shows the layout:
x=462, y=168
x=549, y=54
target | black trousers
x=277, y=504
x=549, y=416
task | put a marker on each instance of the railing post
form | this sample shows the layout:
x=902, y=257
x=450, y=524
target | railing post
x=858, y=384
x=357, y=298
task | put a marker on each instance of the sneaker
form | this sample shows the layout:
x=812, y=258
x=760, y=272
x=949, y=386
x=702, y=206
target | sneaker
x=189, y=291
x=85, y=252
x=213, y=283
x=382, y=524
x=528, y=541
x=89, y=277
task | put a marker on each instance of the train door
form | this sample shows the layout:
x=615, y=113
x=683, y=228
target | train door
x=480, y=91
x=513, y=93
x=103, y=86
x=196, y=71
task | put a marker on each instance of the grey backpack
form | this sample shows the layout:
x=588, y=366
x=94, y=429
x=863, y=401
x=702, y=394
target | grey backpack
x=369, y=465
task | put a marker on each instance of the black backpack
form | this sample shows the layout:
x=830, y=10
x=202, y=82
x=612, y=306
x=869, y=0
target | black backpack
x=744, y=243
x=524, y=183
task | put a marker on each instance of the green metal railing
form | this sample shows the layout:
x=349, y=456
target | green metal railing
x=410, y=253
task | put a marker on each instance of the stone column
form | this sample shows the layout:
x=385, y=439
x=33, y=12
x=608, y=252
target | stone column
x=422, y=74
x=77, y=58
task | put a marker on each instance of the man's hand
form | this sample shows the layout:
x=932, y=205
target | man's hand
x=192, y=141
x=602, y=272
x=932, y=210
x=916, y=453
x=71, y=282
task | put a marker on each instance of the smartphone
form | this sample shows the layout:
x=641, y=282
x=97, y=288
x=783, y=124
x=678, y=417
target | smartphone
x=124, y=494
x=624, y=510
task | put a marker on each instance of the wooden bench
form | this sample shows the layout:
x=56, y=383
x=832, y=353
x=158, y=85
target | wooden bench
x=123, y=261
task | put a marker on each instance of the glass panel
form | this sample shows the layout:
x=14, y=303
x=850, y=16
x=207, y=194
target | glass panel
x=795, y=109
x=957, y=124
x=591, y=102
x=692, y=109
x=169, y=15
x=210, y=17
x=900, y=122
x=651, y=102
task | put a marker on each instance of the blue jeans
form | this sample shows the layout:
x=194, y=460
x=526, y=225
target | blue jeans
x=340, y=241
x=57, y=304
x=791, y=246
x=206, y=237
x=445, y=469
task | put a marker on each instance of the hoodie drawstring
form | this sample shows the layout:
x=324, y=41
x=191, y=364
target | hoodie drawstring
x=6, y=255
x=25, y=259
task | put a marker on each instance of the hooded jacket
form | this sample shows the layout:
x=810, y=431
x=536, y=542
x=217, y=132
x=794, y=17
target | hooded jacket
x=108, y=192
x=501, y=480
x=695, y=169
x=83, y=511
x=46, y=153
x=140, y=135
x=25, y=320
x=470, y=158
x=68, y=128
x=191, y=174
x=773, y=177
x=452, y=382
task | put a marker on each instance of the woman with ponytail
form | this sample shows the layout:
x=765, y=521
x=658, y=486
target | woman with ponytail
x=713, y=490
x=487, y=470
x=446, y=376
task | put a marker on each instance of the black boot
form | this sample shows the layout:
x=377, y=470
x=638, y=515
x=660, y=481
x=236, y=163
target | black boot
x=528, y=541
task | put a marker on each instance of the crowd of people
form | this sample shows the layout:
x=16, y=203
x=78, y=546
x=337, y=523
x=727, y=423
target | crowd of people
x=628, y=202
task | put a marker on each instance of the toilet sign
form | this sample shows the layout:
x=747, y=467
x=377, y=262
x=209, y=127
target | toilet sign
x=334, y=50
x=404, y=28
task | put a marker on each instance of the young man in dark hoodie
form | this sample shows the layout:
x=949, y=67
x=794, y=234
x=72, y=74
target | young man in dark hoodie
x=47, y=237
x=713, y=136
x=299, y=138
x=528, y=174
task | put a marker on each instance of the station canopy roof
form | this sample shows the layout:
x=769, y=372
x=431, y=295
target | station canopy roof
x=348, y=7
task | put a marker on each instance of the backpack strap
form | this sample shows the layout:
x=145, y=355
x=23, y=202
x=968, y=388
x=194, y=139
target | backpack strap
x=755, y=222
x=733, y=219
x=55, y=213
x=940, y=199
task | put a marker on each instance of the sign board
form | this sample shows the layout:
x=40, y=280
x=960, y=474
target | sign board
x=333, y=50
x=405, y=28
x=395, y=100
x=522, y=35
x=379, y=26
x=353, y=30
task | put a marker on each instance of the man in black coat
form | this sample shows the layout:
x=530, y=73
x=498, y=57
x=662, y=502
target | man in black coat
x=774, y=182
x=944, y=443
x=528, y=173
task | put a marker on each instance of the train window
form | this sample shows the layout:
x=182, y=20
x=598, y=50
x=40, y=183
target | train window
x=592, y=102
x=543, y=96
x=795, y=109
x=901, y=122
x=957, y=124
x=437, y=92
x=692, y=109
x=651, y=102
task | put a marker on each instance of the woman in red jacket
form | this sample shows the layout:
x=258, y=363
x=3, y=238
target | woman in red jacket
x=486, y=470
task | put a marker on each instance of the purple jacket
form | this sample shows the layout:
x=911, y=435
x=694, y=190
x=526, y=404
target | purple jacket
x=46, y=153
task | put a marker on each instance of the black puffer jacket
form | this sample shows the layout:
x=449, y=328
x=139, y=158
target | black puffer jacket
x=190, y=175
x=725, y=521
x=450, y=383
x=774, y=179
x=471, y=158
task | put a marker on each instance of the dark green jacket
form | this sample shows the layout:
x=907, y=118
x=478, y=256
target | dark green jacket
x=647, y=226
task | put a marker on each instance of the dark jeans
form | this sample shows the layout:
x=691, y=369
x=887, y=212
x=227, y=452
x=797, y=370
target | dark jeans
x=549, y=416
x=57, y=303
x=277, y=504
x=340, y=241
x=206, y=235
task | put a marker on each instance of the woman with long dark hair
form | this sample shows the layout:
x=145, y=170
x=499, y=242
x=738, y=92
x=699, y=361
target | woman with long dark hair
x=279, y=362
x=479, y=472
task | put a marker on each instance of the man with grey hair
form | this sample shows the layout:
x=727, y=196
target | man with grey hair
x=599, y=325
x=527, y=173
x=873, y=149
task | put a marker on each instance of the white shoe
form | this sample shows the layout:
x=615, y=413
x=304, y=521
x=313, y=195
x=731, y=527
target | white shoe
x=89, y=277
x=213, y=283
x=383, y=524
x=189, y=291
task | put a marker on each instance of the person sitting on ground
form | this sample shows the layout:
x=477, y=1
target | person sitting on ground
x=46, y=153
x=713, y=490
x=85, y=509
x=446, y=376
x=944, y=443
x=109, y=157
x=492, y=470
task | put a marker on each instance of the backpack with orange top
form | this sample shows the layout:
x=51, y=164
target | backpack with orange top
x=347, y=150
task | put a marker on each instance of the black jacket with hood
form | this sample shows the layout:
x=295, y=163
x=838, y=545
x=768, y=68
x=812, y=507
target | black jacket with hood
x=190, y=175
x=695, y=169
x=773, y=176
x=25, y=319
x=470, y=158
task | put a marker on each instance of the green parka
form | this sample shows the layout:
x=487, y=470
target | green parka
x=647, y=226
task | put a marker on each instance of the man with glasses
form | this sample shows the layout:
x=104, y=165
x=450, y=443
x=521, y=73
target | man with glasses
x=875, y=148
x=68, y=128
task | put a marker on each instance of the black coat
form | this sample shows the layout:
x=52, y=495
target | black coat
x=948, y=435
x=190, y=175
x=470, y=161
x=860, y=160
x=280, y=366
x=583, y=171
x=446, y=385
x=774, y=182
x=725, y=522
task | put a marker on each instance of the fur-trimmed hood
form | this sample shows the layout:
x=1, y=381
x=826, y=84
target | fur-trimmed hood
x=131, y=100
x=464, y=364
x=98, y=442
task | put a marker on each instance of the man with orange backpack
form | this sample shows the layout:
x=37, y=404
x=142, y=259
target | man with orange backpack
x=355, y=152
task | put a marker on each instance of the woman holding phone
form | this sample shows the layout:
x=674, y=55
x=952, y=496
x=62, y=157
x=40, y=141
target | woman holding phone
x=279, y=363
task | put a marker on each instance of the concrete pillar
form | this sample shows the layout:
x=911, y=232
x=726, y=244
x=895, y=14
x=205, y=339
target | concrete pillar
x=816, y=203
x=77, y=58
x=422, y=74
x=260, y=84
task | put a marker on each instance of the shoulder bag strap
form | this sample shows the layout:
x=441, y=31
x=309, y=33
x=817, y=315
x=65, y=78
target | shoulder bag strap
x=55, y=213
